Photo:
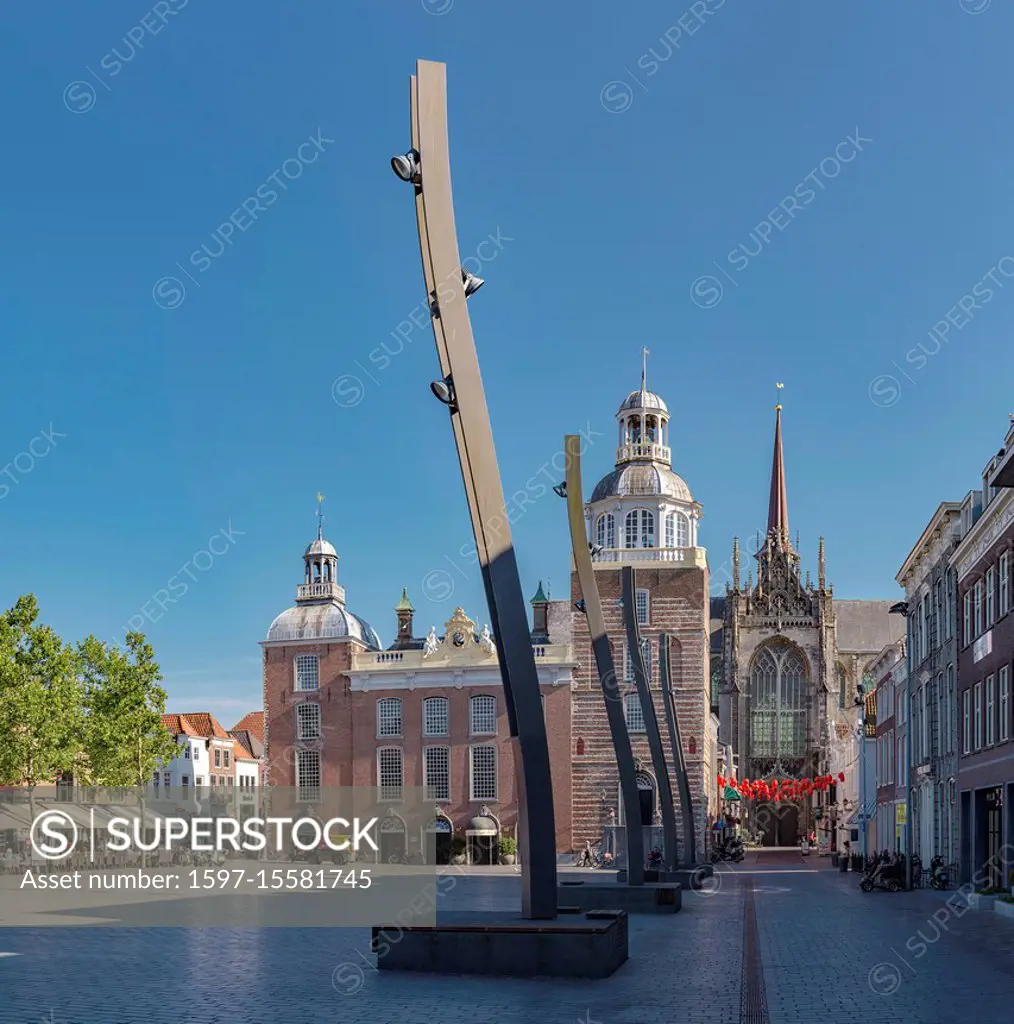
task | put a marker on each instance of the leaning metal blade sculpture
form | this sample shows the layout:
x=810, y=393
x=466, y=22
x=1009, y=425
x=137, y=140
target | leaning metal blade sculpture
x=678, y=758
x=473, y=436
x=604, y=663
x=650, y=719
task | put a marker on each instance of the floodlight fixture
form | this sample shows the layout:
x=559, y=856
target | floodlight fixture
x=408, y=167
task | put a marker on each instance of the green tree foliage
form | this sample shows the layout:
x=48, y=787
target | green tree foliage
x=94, y=711
x=124, y=704
x=41, y=708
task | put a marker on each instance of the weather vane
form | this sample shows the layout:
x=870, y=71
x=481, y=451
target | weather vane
x=644, y=368
x=320, y=515
x=779, y=387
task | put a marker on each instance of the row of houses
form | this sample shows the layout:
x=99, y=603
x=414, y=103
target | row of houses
x=940, y=734
x=211, y=759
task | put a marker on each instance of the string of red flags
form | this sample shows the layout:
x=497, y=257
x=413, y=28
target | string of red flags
x=777, y=790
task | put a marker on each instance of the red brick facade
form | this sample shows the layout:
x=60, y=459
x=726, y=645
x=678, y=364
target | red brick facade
x=678, y=606
x=349, y=742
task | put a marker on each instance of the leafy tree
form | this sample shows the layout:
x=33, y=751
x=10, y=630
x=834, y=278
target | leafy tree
x=41, y=723
x=126, y=740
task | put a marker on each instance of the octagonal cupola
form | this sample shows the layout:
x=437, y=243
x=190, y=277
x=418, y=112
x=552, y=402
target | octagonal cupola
x=642, y=510
x=643, y=420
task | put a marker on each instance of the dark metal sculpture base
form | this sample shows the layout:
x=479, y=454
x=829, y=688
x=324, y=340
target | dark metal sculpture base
x=688, y=878
x=657, y=898
x=588, y=945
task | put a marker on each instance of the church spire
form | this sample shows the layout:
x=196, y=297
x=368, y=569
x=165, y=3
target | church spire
x=778, y=503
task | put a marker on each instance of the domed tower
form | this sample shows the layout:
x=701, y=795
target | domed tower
x=642, y=511
x=307, y=654
x=643, y=514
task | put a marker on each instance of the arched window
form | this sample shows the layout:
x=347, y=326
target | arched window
x=634, y=713
x=682, y=531
x=389, y=716
x=778, y=702
x=436, y=719
x=842, y=686
x=670, y=530
x=639, y=528
x=605, y=530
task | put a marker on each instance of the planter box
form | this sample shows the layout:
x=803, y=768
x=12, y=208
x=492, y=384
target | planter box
x=1004, y=909
x=977, y=901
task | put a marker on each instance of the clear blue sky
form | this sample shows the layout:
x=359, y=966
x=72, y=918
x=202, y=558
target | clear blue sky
x=179, y=421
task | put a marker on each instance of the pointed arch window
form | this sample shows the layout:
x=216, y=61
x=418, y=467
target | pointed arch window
x=842, y=685
x=605, y=530
x=778, y=702
x=639, y=529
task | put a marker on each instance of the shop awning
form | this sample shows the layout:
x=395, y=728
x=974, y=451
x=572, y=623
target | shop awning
x=731, y=794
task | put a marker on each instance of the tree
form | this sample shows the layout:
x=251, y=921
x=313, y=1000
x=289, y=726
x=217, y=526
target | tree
x=126, y=740
x=41, y=723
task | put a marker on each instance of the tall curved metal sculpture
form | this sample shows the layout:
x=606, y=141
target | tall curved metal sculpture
x=678, y=757
x=604, y=663
x=650, y=719
x=427, y=167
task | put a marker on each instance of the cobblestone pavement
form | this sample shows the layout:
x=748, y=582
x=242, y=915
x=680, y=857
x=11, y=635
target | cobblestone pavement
x=825, y=951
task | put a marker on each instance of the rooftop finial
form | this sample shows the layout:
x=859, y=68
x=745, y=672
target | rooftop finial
x=644, y=369
x=320, y=516
x=778, y=404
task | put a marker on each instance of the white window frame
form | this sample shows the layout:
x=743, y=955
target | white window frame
x=390, y=724
x=639, y=524
x=966, y=722
x=305, y=667
x=670, y=529
x=990, y=587
x=633, y=714
x=489, y=795
x=443, y=728
x=1004, y=579
x=922, y=630
x=966, y=607
x=978, y=716
x=304, y=723
x=388, y=758
x=307, y=792
x=443, y=795
x=990, y=710
x=977, y=603
x=480, y=720
x=605, y=530
x=642, y=606
x=1004, y=704
x=923, y=724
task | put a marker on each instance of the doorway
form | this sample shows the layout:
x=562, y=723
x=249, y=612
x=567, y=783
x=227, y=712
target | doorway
x=438, y=841
x=392, y=841
x=994, y=836
x=646, y=798
x=778, y=824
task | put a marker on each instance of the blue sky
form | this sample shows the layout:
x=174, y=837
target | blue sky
x=627, y=161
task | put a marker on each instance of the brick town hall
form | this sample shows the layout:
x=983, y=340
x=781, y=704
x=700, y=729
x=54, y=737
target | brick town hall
x=429, y=712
